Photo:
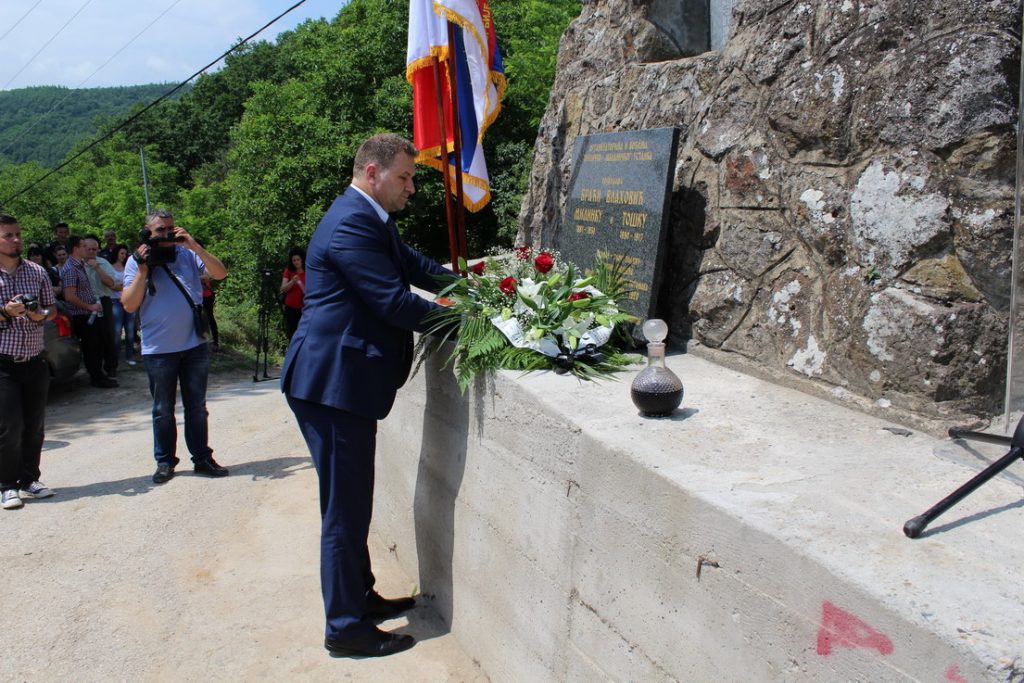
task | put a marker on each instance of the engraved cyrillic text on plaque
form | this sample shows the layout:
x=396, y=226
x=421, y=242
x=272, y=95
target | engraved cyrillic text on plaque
x=618, y=207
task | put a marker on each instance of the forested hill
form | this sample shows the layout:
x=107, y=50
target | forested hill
x=30, y=131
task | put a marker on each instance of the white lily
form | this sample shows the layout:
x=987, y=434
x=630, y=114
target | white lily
x=528, y=289
x=575, y=327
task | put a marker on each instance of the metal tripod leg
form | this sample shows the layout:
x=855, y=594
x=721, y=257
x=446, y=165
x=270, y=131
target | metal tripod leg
x=914, y=527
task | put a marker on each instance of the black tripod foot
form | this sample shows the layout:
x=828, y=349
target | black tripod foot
x=914, y=527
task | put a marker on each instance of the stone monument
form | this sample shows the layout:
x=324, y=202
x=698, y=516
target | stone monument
x=842, y=201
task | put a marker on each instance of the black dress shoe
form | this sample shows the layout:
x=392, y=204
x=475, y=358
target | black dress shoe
x=374, y=644
x=105, y=383
x=210, y=468
x=379, y=608
x=163, y=474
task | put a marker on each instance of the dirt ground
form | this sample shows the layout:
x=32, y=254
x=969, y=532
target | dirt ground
x=115, y=578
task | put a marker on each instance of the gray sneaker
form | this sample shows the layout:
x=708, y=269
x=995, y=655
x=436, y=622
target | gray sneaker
x=36, y=490
x=10, y=500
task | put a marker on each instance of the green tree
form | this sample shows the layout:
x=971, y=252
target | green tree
x=35, y=211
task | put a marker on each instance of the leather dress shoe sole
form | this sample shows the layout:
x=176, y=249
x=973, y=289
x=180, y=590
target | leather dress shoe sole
x=375, y=644
x=379, y=608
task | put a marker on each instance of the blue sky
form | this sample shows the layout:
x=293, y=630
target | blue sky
x=89, y=39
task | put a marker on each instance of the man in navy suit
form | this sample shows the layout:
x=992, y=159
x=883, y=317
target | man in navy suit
x=352, y=351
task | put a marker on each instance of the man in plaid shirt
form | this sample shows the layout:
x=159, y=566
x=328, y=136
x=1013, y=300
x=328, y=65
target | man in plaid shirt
x=81, y=305
x=28, y=301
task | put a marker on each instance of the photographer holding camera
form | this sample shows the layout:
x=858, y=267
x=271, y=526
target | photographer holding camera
x=28, y=301
x=162, y=282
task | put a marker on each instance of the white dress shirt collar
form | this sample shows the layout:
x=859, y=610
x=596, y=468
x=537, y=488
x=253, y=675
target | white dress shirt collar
x=376, y=207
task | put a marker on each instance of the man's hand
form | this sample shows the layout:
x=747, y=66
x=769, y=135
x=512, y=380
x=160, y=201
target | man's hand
x=140, y=255
x=213, y=264
x=14, y=308
x=190, y=242
x=96, y=307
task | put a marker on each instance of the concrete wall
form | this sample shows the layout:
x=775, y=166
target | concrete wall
x=559, y=535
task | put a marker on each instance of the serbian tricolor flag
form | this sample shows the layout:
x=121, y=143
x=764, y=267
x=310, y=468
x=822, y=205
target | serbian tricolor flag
x=480, y=85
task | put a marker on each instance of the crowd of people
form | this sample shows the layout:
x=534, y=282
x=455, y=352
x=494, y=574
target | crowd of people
x=101, y=291
x=84, y=275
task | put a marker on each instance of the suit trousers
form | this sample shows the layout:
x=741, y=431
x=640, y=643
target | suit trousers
x=343, y=447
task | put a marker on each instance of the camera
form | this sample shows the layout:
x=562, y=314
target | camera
x=31, y=303
x=162, y=250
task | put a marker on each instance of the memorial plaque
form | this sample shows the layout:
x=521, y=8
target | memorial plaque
x=618, y=207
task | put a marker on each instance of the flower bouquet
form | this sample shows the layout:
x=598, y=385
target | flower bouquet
x=533, y=311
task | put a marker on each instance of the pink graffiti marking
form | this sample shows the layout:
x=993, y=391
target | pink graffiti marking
x=953, y=674
x=839, y=628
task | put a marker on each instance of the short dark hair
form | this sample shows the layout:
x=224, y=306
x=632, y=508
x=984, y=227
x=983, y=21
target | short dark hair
x=73, y=241
x=158, y=213
x=381, y=150
x=92, y=237
x=8, y=219
x=35, y=250
x=61, y=224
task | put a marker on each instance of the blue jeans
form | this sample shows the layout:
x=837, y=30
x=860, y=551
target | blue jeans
x=124, y=321
x=165, y=371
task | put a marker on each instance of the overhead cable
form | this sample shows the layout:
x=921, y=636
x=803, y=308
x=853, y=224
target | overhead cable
x=46, y=44
x=152, y=104
x=21, y=19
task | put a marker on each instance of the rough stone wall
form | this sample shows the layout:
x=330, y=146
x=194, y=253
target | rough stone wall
x=843, y=196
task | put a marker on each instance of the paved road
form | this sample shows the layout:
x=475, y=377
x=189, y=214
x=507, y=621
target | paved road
x=115, y=578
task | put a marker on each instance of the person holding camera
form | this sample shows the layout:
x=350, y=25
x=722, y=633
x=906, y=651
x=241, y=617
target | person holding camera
x=28, y=301
x=86, y=312
x=162, y=281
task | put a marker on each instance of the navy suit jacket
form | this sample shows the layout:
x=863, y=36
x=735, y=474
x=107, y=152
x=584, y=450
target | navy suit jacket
x=353, y=347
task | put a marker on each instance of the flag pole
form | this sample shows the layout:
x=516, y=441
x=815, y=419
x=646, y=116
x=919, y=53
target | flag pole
x=449, y=210
x=460, y=211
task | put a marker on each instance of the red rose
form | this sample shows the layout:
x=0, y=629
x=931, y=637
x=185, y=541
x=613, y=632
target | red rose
x=478, y=268
x=544, y=262
x=522, y=253
x=576, y=296
x=508, y=285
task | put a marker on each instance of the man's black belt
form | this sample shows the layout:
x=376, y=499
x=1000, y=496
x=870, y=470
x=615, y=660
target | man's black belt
x=19, y=359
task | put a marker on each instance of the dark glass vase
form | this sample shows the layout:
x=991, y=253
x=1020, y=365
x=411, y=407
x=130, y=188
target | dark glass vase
x=656, y=391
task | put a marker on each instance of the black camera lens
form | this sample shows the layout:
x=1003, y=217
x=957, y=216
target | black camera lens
x=31, y=303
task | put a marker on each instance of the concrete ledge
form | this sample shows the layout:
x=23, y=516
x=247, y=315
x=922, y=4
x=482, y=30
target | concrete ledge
x=560, y=535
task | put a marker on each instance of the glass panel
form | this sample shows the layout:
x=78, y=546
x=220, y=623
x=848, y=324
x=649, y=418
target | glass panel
x=1014, y=407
